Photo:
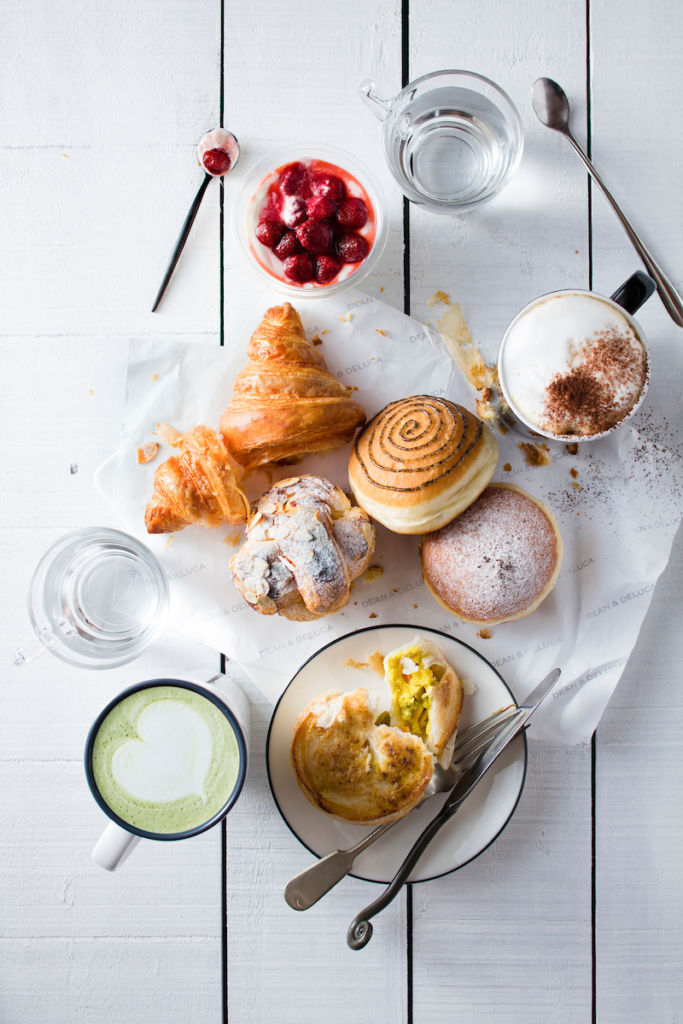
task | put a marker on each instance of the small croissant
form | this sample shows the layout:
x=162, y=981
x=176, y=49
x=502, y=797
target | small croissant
x=286, y=403
x=196, y=486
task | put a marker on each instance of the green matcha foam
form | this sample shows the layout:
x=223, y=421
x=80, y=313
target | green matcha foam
x=165, y=759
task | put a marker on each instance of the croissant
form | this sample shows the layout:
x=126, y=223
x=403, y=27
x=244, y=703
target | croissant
x=197, y=486
x=286, y=404
x=303, y=548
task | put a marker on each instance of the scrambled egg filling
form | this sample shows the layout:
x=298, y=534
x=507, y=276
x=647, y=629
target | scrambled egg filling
x=411, y=673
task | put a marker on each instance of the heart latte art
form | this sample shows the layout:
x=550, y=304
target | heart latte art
x=165, y=759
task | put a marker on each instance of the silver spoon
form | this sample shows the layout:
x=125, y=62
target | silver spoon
x=218, y=152
x=550, y=102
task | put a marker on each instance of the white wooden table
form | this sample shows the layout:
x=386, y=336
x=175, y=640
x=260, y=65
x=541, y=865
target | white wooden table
x=575, y=914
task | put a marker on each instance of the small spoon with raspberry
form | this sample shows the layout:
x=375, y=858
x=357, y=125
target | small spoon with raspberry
x=218, y=152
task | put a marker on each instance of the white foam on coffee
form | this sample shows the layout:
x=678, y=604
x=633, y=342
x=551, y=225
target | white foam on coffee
x=543, y=342
x=171, y=757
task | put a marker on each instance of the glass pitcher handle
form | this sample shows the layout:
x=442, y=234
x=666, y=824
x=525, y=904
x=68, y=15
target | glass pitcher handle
x=378, y=106
x=32, y=649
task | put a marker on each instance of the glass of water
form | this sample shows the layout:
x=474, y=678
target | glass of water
x=97, y=598
x=452, y=139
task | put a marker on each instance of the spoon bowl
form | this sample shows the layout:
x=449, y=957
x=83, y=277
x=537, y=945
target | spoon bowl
x=550, y=104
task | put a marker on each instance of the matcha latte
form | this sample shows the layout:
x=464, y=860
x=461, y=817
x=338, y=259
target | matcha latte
x=166, y=759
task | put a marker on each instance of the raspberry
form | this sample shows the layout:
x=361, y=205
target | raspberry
x=326, y=268
x=293, y=211
x=314, y=235
x=298, y=268
x=216, y=161
x=268, y=233
x=293, y=180
x=353, y=213
x=287, y=246
x=352, y=248
x=328, y=185
x=321, y=207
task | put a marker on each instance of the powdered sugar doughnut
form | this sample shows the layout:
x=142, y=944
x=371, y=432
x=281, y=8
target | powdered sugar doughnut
x=498, y=560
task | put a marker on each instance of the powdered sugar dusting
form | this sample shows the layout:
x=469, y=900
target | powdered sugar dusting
x=495, y=559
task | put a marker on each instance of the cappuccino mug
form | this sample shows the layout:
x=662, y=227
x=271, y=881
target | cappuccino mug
x=574, y=365
x=166, y=759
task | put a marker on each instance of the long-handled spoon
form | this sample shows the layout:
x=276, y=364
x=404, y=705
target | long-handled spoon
x=550, y=102
x=218, y=152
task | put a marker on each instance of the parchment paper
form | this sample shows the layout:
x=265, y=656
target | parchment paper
x=617, y=502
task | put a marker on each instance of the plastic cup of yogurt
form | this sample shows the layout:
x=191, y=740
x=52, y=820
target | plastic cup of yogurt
x=574, y=365
x=311, y=220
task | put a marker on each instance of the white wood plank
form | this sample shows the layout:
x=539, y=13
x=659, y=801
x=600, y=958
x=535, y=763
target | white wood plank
x=103, y=108
x=514, y=927
x=317, y=56
x=298, y=966
x=635, y=69
x=134, y=980
x=97, y=181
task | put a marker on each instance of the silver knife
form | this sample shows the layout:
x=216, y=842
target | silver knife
x=360, y=931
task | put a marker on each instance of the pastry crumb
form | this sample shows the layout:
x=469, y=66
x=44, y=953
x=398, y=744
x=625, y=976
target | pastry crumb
x=376, y=662
x=507, y=468
x=573, y=472
x=316, y=340
x=347, y=318
x=577, y=487
x=439, y=296
x=91, y=391
x=372, y=615
x=573, y=448
x=380, y=331
x=155, y=376
x=415, y=606
x=146, y=452
x=168, y=434
x=373, y=573
x=352, y=663
x=535, y=454
x=485, y=634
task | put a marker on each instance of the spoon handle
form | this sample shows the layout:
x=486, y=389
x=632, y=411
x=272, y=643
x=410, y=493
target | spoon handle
x=308, y=887
x=668, y=294
x=182, y=238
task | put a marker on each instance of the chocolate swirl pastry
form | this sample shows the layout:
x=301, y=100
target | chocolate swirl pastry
x=420, y=462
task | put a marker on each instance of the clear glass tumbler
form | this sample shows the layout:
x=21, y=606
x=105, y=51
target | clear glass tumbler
x=97, y=598
x=452, y=139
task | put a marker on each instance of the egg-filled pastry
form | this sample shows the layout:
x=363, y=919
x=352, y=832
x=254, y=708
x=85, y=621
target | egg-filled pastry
x=426, y=695
x=350, y=766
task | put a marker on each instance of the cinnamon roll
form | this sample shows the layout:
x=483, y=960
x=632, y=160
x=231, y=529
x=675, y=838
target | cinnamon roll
x=420, y=462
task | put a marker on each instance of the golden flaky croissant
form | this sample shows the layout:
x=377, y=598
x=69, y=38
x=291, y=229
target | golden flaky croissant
x=196, y=486
x=286, y=404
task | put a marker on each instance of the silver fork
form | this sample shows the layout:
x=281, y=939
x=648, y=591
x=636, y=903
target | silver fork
x=310, y=885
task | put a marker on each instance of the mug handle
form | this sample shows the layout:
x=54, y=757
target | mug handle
x=114, y=846
x=632, y=294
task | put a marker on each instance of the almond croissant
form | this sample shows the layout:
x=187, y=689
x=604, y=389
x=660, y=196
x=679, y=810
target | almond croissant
x=303, y=548
x=196, y=486
x=286, y=404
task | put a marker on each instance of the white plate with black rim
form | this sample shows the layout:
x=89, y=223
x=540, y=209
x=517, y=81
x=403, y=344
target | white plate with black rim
x=480, y=819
